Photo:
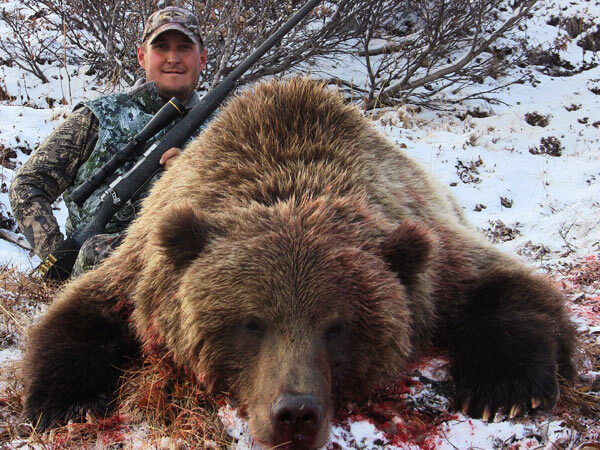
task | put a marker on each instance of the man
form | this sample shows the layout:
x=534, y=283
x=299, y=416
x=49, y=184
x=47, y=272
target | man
x=172, y=56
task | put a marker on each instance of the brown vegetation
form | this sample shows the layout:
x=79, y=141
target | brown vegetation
x=156, y=399
x=410, y=48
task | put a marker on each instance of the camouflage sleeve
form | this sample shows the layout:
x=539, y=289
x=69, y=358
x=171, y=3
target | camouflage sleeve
x=47, y=174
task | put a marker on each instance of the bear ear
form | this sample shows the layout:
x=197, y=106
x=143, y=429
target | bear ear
x=407, y=250
x=182, y=234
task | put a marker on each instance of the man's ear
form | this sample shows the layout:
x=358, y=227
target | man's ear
x=203, y=56
x=141, y=56
x=407, y=250
x=182, y=234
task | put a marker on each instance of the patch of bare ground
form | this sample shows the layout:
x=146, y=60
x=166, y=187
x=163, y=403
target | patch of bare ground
x=580, y=403
x=550, y=146
x=498, y=231
x=537, y=120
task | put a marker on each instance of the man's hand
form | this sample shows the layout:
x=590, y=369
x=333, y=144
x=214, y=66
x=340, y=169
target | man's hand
x=169, y=157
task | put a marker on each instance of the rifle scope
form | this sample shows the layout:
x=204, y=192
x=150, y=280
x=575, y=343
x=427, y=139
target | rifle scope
x=126, y=186
x=169, y=112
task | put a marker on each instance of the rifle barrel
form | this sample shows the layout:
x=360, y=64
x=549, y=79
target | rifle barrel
x=125, y=187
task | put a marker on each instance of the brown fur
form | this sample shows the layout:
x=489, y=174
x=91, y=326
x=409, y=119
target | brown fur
x=293, y=256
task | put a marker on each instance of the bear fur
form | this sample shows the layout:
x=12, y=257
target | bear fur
x=295, y=258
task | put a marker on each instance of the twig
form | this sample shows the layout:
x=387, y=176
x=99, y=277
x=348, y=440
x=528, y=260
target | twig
x=471, y=54
x=22, y=329
x=11, y=238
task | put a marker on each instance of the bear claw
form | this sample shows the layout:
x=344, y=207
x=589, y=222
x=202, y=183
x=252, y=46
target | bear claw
x=496, y=412
x=465, y=406
x=485, y=416
x=499, y=416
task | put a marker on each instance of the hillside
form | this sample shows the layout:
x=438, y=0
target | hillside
x=526, y=169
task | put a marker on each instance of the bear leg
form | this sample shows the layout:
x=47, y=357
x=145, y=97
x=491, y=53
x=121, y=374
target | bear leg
x=508, y=343
x=73, y=361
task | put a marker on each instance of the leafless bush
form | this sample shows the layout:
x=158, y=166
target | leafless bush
x=410, y=48
x=417, y=48
x=100, y=35
x=104, y=35
x=243, y=25
x=28, y=45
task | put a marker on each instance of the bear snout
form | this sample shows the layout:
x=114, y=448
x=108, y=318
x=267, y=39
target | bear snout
x=297, y=419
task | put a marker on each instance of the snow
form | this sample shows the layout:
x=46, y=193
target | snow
x=9, y=354
x=554, y=201
x=467, y=433
x=362, y=434
x=17, y=257
x=547, y=192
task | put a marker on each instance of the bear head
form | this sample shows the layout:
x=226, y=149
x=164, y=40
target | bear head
x=290, y=308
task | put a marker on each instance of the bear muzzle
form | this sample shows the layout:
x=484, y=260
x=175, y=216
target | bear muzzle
x=297, y=419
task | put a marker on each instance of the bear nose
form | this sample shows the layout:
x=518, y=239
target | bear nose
x=297, y=419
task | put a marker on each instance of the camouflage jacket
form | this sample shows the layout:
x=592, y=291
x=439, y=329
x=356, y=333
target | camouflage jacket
x=83, y=142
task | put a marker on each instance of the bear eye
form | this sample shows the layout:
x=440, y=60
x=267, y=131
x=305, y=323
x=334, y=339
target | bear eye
x=254, y=326
x=336, y=329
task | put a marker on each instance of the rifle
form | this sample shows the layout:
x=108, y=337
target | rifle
x=59, y=263
x=169, y=112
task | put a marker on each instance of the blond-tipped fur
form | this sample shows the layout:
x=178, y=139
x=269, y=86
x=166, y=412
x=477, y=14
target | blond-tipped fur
x=294, y=256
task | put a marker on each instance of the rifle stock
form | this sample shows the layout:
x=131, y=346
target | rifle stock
x=125, y=187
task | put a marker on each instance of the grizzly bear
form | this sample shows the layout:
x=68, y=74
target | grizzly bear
x=295, y=258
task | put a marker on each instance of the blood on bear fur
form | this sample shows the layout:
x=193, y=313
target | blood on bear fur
x=295, y=258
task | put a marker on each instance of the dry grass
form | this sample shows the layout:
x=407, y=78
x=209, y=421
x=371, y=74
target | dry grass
x=583, y=399
x=159, y=406
x=21, y=297
x=172, y=406
x=11, y=426
x=156, y=402
x=581, y=403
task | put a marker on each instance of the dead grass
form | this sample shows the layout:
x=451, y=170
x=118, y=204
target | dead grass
x=172, y=406
x=580, y=403
x=11, y=394
x=21, y=297
x=160, y=407
x=583, y=398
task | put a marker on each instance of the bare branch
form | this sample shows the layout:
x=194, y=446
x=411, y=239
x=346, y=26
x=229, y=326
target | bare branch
x=409, y=48
x=476, y=49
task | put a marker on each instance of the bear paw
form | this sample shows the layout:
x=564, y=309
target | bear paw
x=44, y=414
x=508, y=343
x=74, y=360
x=508, y=398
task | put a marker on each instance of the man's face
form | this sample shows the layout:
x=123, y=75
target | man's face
x=174, y=63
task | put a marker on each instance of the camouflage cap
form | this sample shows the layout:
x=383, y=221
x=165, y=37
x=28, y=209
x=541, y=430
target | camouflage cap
x=172, y=18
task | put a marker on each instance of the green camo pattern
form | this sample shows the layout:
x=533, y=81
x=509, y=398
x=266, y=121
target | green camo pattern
x=95, y=250
x=121, y=117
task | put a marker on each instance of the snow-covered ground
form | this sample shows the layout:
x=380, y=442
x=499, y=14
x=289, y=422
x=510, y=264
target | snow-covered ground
x=541, y=207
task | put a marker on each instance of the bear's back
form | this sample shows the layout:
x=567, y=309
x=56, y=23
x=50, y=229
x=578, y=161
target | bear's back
x=283, y=141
